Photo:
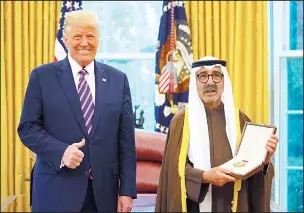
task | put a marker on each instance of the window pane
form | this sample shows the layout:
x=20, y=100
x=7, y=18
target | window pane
x=296, y=25
x=295, y=83
x=273, y=188
x=295, y=190
x=141, y=79
x=127, y=26
x=295, y=140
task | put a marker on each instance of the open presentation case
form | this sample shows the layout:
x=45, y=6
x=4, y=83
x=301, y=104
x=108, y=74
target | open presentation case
x=252, y=151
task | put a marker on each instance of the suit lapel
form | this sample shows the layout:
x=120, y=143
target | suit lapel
x=101, y=84
x=66, y=79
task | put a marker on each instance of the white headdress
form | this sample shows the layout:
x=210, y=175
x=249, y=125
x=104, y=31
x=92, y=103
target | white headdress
x=199, y=148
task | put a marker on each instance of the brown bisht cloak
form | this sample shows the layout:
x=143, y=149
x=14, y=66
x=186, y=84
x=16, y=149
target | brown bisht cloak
x=174, y=188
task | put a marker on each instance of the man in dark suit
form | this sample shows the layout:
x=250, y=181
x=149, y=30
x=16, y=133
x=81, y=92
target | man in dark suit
x=77, y=117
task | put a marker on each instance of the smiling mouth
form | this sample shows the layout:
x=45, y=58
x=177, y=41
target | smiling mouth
x=84, y=51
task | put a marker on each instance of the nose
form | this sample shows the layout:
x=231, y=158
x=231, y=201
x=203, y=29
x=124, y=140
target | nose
x=210, y=80
x=84, y=42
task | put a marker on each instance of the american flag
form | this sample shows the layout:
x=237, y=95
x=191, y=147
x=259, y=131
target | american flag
x=165, y=78
x=67, y=6
x=166, y=82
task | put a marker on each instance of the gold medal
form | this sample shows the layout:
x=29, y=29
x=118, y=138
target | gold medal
x=239, y=164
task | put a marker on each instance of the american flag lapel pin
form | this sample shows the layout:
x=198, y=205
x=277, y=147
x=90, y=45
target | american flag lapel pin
x=104, y=80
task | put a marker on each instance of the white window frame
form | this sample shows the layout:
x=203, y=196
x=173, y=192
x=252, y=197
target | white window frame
x=125, y=56
x=279, y=44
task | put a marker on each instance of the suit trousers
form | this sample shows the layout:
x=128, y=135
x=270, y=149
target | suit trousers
x=89, y=204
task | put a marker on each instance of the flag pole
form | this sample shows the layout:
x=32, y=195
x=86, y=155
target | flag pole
x=172, y=48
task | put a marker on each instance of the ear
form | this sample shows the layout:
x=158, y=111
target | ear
x=64, y=39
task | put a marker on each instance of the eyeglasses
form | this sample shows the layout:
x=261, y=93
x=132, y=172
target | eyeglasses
x=204, y=77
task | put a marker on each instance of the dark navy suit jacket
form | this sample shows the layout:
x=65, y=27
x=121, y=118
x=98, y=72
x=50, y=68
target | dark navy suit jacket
x=52, y=119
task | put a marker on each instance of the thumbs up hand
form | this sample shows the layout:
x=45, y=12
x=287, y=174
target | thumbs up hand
x=79, y=144
x=73, y=156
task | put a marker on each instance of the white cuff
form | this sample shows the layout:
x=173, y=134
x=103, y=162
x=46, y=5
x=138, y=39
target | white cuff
x=61, y=165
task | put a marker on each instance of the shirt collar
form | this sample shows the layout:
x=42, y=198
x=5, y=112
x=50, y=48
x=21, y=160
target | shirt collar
x=76, y=67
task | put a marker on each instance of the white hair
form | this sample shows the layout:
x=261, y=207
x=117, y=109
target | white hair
x=80, y=17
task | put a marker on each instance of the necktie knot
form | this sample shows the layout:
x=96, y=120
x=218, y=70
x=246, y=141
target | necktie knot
x=83, y=72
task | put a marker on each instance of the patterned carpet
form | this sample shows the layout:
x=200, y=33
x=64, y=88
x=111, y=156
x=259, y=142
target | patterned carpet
x=144, y=203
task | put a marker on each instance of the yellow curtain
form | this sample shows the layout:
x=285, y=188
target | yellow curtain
x=28, y=32
x=236, y=31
